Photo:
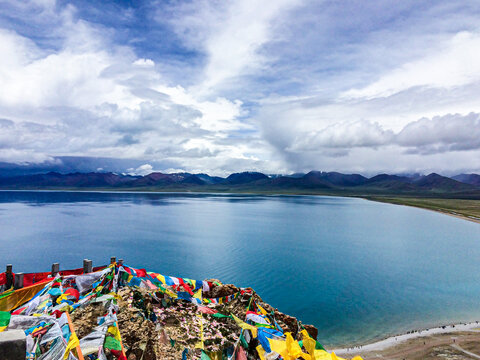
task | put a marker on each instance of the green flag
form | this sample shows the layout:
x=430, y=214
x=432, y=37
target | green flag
x=205, y=356
x=4, y=320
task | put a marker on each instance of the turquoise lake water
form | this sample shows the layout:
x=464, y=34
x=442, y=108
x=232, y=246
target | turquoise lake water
x=358, y=270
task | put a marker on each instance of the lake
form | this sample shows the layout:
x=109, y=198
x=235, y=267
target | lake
x=356, y=269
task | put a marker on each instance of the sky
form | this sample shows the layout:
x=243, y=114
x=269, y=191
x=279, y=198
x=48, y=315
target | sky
x=276, y=86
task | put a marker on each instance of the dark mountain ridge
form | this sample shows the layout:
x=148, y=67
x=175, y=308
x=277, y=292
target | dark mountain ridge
x=244, y=177
x=437, y=182
x=472, y=179
x=312, y=182
x=339, y=179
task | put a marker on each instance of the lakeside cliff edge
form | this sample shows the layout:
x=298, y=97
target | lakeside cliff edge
x=121, y=312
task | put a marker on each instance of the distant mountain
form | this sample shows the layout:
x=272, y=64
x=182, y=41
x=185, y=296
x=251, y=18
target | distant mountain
x=207, y=179
x=388, y=178
x=339, y=179
x=389, y=183
x=193, y=180
x=436, y=182
x=244, y=177
x=158, y=178
x=306, y=182
x=283, y=182
x=315, y=182
x=411, y=176
x=433, y=183
x=296, y=175
x=472, y=179
x=315, y=178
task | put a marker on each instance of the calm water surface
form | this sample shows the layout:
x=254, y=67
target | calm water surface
x=358, y=270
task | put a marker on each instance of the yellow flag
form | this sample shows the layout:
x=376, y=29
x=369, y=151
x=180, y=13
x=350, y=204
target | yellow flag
x=289, y=348
x=115, y=295
x=294, y=349
x=245, y=326
x=198, y=294
x=262, y=310
x=114, y=331
x=279, y=346
x=305, y=334
x=73, y=342
x=19, y=297
x=200, y=345
x=323, y=355
x=171, y=294
x=309, y=345
x=261, y=352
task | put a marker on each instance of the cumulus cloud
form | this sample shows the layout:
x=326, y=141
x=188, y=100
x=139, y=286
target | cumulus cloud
x=440, y=134
x=451, y=132
x=90, y=97
x=344, y=135
x=144, y=169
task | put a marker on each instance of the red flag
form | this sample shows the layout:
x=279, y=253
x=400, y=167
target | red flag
x=240, y=354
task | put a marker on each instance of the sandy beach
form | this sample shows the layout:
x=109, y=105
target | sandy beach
x=450, y=213
x=463, y=217
x=459, y=341
x=439, y=209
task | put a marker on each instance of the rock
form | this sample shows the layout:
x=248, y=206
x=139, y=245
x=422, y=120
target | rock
x=312, y=330
x=85, y=319
x=220, y=290
x=13, y=345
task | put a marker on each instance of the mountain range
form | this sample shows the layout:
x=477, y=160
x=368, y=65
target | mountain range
x=459, y=186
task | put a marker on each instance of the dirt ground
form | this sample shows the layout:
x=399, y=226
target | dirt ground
x=441, y=346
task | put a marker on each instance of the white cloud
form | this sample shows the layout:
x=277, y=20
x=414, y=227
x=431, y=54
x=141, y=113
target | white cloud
x=230, y=34
x=23, y=156
x=233, y=47
x=343, y=135
x=455, y=63
x=92, y=98
x=173, y=170
x=442, y=133
x=428, y=137
x=144, y=62
x=144, y=169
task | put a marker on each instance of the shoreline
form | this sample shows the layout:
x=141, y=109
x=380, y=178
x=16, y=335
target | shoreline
x=444, y=212
x=395, y=340
x=458, y=216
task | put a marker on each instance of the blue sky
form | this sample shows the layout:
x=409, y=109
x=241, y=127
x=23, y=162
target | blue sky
x=217, y=87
